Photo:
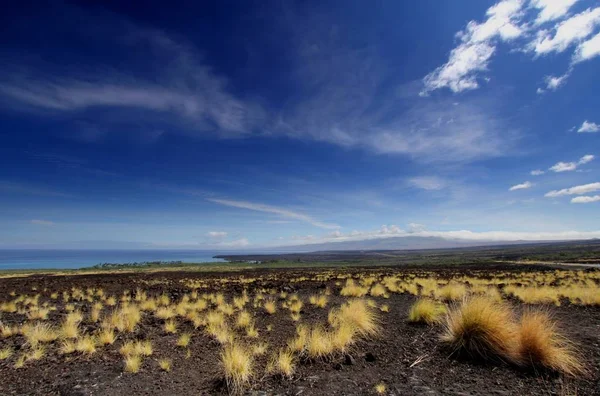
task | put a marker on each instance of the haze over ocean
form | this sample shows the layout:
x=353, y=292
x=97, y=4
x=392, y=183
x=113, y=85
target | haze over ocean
x=68, y=259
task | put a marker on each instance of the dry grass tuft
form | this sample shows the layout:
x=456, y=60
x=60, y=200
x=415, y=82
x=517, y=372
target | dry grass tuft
x=5, y=353
x=283, y=363
x=482, y=328
x=270, y=307
x=237, y=363
x=380, y=388
x=184, y=340
x=426, y=311
x=165, y=364
x=133, y=363
x=542, y=346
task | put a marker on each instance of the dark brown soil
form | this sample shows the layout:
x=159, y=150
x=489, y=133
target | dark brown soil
x=408, y=359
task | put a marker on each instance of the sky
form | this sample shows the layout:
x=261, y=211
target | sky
x=257, y=124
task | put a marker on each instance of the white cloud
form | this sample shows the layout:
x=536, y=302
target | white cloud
x=587, y=50
x=568, y=32
x=553, y=83
x=184, y=91
x=576, y=190
x=217, y=234
x=589, y=127
x=571, y=166
x=586, y=199
x=275, y=210
x=477, y=45
x=42, y=222
x=536, y=172
x=521, y=186
x=428, y=182
x=551, y=9
x=563, y=167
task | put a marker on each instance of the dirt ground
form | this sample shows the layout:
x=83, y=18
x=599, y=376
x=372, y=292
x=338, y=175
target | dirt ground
x=408, y=359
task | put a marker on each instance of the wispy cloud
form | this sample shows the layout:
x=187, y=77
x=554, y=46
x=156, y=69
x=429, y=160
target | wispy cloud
x=571, y=166
x=521, y=186
x=586, y=199
x=184, y=91
x=42, y=222
x=217, y=234
x=275, y=210
x=588, y=126
x=28, y=189
x=428, y=182
x=536, y=172
x=576, y=190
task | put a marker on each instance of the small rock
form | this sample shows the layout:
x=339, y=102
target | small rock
x=349, y=360
x=369, y=357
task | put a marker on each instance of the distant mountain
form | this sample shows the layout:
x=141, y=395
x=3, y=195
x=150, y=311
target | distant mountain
x=397, y=243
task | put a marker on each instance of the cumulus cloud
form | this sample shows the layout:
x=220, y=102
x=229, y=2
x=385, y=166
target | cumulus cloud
x=576, y=190
x=42, y=222
x=567, y=33
x=588, y=126
x=571, y=166
x=258, y=207
x=586, y=199
x=587, y=50
x=428, y=182
x=536, y=172
x=551, y=9
x=521, y=186
x=477, y=45
x=553, y=83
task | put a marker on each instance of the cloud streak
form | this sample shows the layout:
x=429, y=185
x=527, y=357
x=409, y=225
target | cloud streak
x=576, y=190
x=274, y=210
x=522, y=186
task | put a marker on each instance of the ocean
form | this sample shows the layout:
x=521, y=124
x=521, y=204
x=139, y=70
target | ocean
x=69, y=259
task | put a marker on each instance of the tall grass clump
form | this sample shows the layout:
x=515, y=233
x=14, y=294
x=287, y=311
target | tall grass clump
x=543, y=346
x=237, y=363
x=482, y=328
x=426, y=311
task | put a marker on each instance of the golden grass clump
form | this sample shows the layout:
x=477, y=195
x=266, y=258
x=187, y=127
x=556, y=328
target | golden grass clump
x=482, y=328
x=106, y=336
x=237, y=363
x=357, y=314
x=452, y=292
x=351, y=289
x=378, y=290
x=86, y=345
x=5, y=353
x=283, y=363
x=425, y=310
x=542, y=346
x=67, y=347
x=380, y=388
x=184, y=340
x=170, y=326
x=39, y=333
x=36, y=353
x=270, y=307
x=165, y=364
x=244, y=319
x=319, y=343
x=319, y=301
x=133, y=363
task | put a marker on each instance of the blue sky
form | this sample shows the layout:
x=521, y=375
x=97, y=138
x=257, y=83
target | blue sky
x=260, y=124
